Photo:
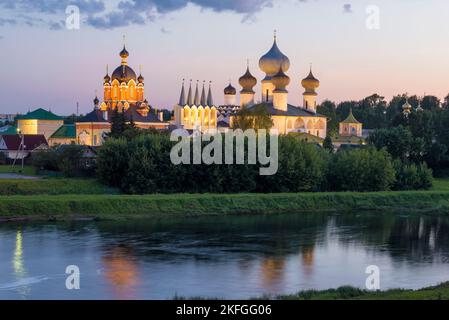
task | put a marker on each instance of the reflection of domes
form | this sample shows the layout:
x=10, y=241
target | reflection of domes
x=280, y=81
x=273, y=60
x=247, y=81
x=230, y=90
x=310, y=83
x=124, y=74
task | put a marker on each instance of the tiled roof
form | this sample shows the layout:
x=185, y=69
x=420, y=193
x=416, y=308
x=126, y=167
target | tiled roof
x=31, y=141
x=94, y=116
x=222, y=124
x=351, y=119
x=8, y=130
x=39, y=114
x=133, y=114
x=67, y=131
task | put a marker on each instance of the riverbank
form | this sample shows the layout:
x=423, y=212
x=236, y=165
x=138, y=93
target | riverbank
x=106, y=206
x=67, y=199
x=439, y=292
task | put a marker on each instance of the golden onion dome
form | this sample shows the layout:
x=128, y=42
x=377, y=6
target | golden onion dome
x=124, y=73
x=280, y=81
x=124, y=54
x=247, y=81
x=273, y=60
x=140, y=78
x=407, y=106
x=310, y=83
x=230, y=90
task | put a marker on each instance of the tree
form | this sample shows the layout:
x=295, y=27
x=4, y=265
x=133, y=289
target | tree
x=118, y=124
x=329, y=109
x=327, y=144
x=262, y=119
x=361, y=170
x=412, y=176
x=445, y=104
x=69, y=160
x=430, y=103
x=399, y=142
x=372, y=112
x=255, y=118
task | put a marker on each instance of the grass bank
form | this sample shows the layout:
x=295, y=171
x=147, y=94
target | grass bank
x=70, y=198
x=55, y=186
x=17, y=169
x=182, y=205
x=440, y=292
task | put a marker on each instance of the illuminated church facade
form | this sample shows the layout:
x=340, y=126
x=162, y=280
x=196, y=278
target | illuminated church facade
x=274, y=96
x=123, y=92
x=194, y=113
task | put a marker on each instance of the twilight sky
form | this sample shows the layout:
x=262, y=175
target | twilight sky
x=47, y=65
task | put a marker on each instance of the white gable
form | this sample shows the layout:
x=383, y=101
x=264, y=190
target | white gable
x=3, y=144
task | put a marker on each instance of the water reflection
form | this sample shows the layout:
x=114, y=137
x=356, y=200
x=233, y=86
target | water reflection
x=17, y=261
x=308, y=259
x=121, y=271
x=19, y=266
x=232, y=257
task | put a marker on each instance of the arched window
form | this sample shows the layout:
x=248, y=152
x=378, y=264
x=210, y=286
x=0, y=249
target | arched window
x=186, y=115
x=115, y=90
x=299, y=124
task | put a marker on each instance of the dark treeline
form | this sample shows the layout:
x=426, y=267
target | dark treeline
x=422, y=136
x=142, y=165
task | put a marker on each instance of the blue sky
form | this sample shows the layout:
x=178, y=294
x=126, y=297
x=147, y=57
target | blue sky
x=46, y=65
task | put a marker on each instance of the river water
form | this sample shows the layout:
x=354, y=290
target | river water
x=234, y=257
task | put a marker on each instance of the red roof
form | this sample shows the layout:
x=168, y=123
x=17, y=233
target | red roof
x=31, y=141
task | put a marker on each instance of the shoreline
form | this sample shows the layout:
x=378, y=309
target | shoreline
x=116, y=207
x=437, y=292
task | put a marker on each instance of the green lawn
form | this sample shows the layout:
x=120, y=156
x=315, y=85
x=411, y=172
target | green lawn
x=440, y=292
x=27, y=170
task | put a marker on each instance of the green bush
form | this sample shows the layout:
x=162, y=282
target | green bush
x=45, y=160
x=412, y=176
x=142, y=166
x=302, y=167
x=65, y=159
x=361, y=170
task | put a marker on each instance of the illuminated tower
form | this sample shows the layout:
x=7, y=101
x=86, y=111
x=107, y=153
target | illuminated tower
x=310, y=84
x=123, y=88
x=247, y=81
